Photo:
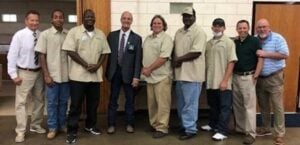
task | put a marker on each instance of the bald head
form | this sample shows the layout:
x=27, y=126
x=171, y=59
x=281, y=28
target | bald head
x=126, y=13
x=263, y=22
x=263, y=28
x=126, y=20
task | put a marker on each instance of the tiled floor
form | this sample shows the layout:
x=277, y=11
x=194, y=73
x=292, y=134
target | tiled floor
x=7, y=98
x=142, y=135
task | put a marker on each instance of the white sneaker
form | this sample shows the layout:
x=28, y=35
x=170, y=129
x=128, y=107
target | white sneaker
x=39, y=130
x=206, y=128
x=219, y=137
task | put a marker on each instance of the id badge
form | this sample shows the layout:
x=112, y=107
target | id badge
x=131, y=47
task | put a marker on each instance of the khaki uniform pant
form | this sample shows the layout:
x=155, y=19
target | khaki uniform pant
x=270, y=91
x=159, y=104
x=32, y=84
x=244, y=104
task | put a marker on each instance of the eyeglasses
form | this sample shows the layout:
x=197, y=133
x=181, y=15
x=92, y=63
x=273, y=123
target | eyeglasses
x=262, y=27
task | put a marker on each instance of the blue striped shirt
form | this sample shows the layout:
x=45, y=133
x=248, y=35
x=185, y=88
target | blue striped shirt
x=274, y=43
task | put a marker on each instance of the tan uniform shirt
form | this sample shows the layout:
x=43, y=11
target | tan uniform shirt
x=218, y=54
x=89, y=49
x=191, y=40
x=153, y=48
x=50, y=43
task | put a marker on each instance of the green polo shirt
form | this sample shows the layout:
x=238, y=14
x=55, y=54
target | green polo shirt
x=246, y=54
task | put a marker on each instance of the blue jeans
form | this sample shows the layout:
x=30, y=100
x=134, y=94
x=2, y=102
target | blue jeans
x=220, y=103
x=57, y=96
x=188, y=94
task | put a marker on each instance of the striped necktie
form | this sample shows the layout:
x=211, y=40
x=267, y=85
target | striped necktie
x=36, y=55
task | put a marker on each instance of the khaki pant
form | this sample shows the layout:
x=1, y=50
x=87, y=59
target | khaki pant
x=244, y=104
x=159, y=104
x=270, y=91
x=32, y=84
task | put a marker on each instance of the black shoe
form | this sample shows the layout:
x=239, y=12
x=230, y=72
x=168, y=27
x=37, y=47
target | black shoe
x=248, y=139
x=71, y=138
x=181, y=131
x=186, y=136
x=159, y=134
x=152, y=129
x=94, y=130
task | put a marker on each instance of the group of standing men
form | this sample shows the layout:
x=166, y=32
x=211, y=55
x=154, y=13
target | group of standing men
x=190, y=57
x=78, y=77
x=256, y=66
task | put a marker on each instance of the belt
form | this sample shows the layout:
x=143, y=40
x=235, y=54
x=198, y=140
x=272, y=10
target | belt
x=29, y=69
x=272, y=74
x=245, y=73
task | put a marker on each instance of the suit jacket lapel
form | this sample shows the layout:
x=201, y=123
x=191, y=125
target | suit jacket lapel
x=117, y=41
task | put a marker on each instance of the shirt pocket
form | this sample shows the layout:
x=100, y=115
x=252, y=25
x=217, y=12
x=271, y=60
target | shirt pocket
x=97, y=45
x=188, y=41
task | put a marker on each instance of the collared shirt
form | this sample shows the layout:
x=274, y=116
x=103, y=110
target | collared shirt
x=246, y=53
x=126, y=37
x=50, y=43
x=89, y=49
x=274, y=43
x=154, y=47
x=218, y=54
x=191, y=40
x=21, y=52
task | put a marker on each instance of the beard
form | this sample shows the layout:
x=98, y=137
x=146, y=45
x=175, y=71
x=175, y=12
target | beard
x=263, y=36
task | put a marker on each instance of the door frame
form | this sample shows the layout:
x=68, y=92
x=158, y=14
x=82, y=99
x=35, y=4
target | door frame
x=255, y=4
x=102, y=11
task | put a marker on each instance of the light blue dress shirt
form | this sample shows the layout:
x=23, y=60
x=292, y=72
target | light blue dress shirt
x=274, y=43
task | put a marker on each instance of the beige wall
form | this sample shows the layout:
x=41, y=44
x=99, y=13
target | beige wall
x=143, y=11
x=207, y=10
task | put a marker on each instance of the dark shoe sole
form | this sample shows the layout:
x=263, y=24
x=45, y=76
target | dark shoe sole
x=158, y=134
x=248, y=143
x=110, y=132
x=218, y=139
x=186, y=136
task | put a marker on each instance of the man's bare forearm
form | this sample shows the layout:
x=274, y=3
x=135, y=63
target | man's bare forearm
x=77, y=59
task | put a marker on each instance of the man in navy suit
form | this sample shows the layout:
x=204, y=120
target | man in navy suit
x=123, y=69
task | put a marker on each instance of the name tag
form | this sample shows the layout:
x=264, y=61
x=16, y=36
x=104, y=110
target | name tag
x=84, y=37
x=131, y=47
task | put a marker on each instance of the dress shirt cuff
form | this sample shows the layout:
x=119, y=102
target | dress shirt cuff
x=136, y=79
x=13, y=75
